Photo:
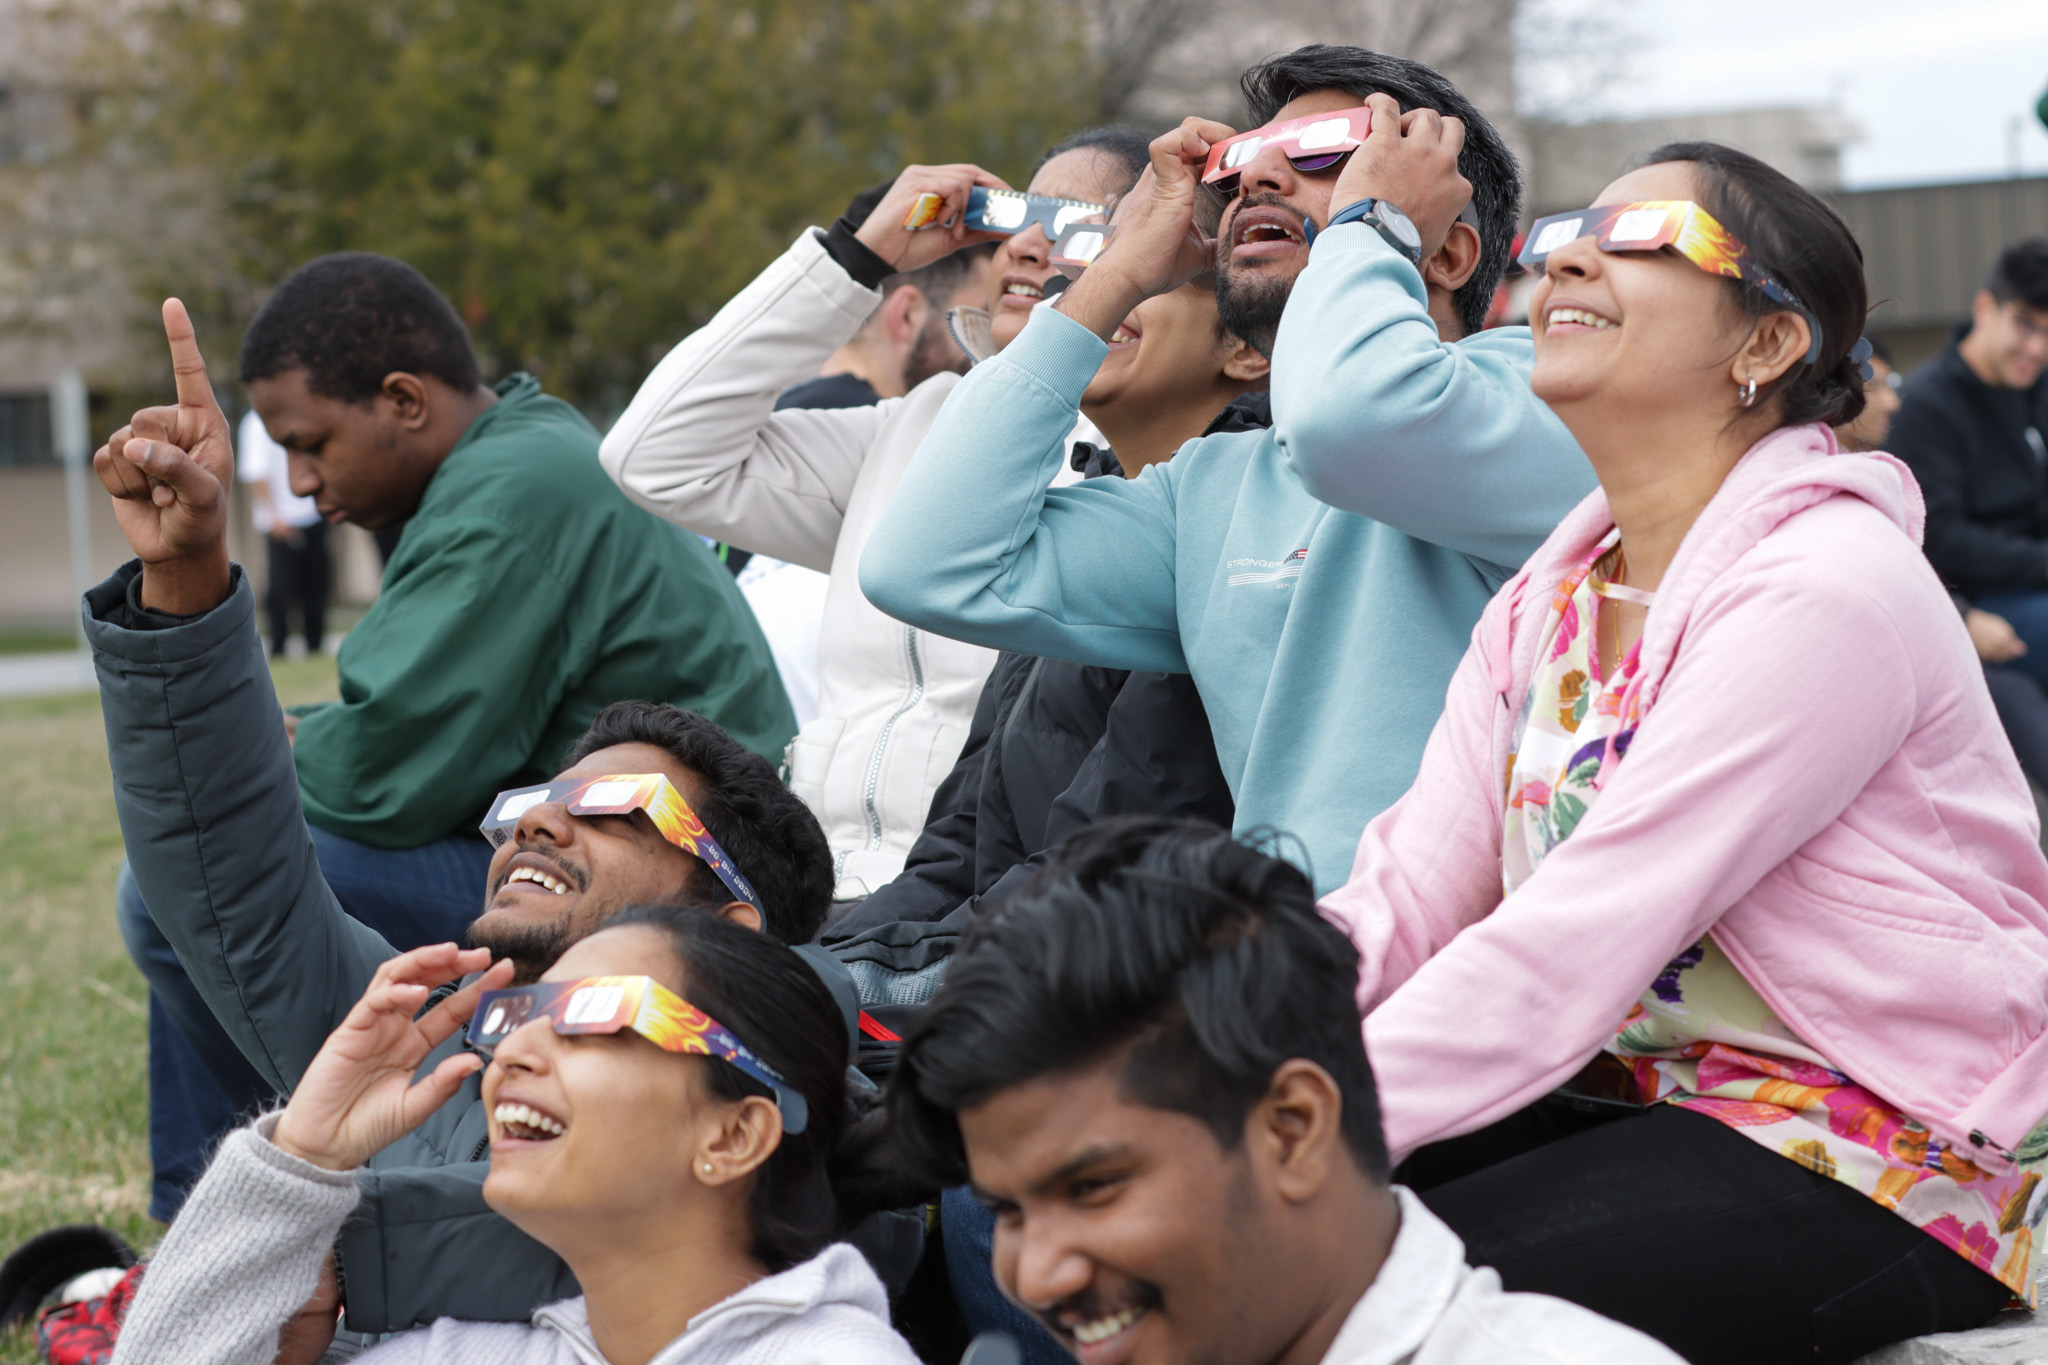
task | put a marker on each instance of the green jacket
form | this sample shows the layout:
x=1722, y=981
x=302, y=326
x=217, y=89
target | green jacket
x=526, y=595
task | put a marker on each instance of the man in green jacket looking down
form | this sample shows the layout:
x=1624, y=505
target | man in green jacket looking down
x=525, y=594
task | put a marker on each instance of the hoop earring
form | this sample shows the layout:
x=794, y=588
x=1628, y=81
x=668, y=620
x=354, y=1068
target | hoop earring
x=1749, y=391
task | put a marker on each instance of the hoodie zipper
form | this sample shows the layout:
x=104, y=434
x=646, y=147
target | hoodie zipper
x=874, y=779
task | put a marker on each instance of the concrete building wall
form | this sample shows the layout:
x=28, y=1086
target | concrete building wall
x=36, y=589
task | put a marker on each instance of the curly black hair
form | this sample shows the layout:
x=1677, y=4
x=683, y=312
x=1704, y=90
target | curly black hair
x=349, y=319
x=769, y=831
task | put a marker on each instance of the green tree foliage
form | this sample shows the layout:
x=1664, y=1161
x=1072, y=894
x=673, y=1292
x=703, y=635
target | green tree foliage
x=589, y=180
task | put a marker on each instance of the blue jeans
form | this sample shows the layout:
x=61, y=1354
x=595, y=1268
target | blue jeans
x=968, y=1232
x=2028, y=612
x=200, y=1085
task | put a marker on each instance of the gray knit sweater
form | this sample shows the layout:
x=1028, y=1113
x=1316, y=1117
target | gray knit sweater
x=245, y=1253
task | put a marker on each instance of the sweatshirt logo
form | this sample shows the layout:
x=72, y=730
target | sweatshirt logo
x=1252, y=571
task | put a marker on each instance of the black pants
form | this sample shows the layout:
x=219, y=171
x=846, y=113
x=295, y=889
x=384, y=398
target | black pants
x=1679, y=1226
x=300, y=575
x=2023, y=710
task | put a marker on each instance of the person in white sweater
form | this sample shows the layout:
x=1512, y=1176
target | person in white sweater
x=702, y=445
x=693, y=1182
x=1150, y=1062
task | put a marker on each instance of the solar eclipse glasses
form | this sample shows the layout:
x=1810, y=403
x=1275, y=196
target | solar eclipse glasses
x=607, y=1004
x=1313, y=142
x=1005, y=211
x=1652, y=225
x=622, y=794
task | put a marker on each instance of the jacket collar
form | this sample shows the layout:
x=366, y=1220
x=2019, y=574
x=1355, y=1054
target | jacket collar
x=1409, y=1297
x=837, y=1275
x=1785, y=473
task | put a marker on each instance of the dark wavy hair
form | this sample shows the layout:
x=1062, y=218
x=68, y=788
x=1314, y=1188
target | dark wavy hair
x=353, y=317
x=821, y=1182
x=765, y=826
x=1131, y=147
x=1485, y=160
x=1809, y=250
x=1205, y=958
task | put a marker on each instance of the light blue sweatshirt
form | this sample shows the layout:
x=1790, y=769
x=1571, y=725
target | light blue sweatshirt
x=1321, y=640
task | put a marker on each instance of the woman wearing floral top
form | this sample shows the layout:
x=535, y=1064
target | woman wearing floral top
x=1706, y=963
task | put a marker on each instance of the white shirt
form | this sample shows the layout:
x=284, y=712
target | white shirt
x=789, y=602
x=1428, y=1307
x=258, y=459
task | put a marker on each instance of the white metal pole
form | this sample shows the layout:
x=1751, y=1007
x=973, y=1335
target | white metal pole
x=74, y=448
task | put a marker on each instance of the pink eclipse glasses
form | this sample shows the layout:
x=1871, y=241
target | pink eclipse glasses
x=1313, y=142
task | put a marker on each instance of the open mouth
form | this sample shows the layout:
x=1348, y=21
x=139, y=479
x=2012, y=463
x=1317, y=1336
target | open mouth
x=1123, y=336
x=1022, y=291
x=1268, y=232
x=524, y=1123
x=534, y=874
x=1569, y=318
x=1107, y=1339
x=1102, y=1329
x=538, y=873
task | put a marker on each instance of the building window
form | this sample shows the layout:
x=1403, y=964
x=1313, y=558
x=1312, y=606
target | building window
x=25, y=430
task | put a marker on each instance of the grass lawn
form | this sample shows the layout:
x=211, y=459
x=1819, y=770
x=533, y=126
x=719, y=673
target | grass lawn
x=74, y=1119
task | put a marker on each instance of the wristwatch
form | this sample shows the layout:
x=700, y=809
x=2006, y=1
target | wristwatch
x=1388, y=221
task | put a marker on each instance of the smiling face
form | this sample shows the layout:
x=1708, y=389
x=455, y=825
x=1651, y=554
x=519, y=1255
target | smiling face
x=359, y=462
x=561, y=876
x=1261, y=244
x=598, y=1132
x=1023, y=263
x=1126, y=1229
x=2008, y=342
x=1170, y=355
x=1634, y=335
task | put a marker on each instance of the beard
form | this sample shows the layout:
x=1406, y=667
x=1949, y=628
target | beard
x=1249, y=304
x=935, y=353
x=533, y=948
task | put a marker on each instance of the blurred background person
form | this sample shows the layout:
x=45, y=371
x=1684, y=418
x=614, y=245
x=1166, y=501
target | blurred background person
x=1971, y=426
x=301, y=571
x=902, y=344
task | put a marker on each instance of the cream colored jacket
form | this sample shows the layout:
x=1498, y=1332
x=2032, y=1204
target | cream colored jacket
x=702, y=445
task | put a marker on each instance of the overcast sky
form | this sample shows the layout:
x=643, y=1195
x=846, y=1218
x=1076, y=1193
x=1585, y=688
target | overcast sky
x=1933, y=84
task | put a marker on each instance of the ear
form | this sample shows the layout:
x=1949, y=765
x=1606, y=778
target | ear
x=1242, y=362
x=1298, y=1127
x=1452, y=264
x=736, y=1140
x=742, y=914
x=1775, y=345
x=1982, y=307
x=903, y=314
x=407, y=397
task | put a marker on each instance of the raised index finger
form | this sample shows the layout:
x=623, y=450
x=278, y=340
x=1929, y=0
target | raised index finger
x=186, y=362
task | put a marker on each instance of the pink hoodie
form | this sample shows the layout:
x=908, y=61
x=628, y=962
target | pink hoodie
x=1819, y=781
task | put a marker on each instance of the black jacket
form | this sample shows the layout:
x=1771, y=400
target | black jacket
x=1978, y=453
x=1054, y=747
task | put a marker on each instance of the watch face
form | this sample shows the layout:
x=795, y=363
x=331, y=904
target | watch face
x=1398, y=223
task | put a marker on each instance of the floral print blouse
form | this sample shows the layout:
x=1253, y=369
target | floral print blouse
x=1701, y=1037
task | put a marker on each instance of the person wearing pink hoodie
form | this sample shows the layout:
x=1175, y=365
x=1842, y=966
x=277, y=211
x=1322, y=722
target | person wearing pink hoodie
x=1705, y=965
